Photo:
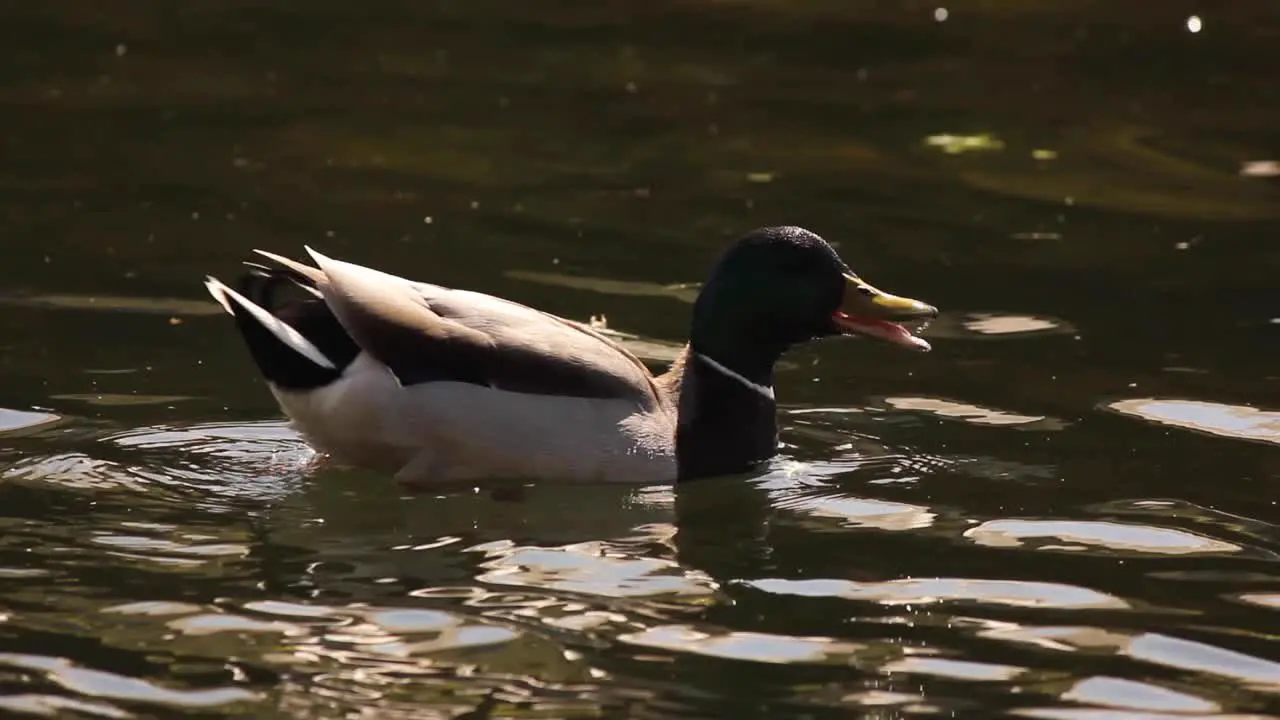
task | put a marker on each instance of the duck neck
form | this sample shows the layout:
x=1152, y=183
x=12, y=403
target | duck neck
x=727, y=415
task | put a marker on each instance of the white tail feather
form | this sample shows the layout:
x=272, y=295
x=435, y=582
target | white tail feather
x=277, y=327
x=215, y=289
x=352, y=272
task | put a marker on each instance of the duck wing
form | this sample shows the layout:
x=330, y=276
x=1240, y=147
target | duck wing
x=424, y=333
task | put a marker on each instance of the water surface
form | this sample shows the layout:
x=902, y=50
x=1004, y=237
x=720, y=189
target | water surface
x=1067, y=510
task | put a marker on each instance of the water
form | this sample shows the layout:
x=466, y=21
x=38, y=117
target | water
x=1065, y=511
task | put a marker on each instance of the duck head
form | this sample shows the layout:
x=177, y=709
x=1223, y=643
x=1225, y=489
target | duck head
x=780, y=286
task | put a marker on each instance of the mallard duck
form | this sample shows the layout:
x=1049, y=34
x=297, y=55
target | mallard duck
x=434, y=384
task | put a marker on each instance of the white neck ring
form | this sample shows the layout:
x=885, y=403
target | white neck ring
x=762, y=390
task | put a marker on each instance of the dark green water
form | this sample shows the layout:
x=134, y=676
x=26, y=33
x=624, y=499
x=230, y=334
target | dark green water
x=1067, y=510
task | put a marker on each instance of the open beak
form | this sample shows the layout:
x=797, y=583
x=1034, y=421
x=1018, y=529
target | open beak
x=875, y=313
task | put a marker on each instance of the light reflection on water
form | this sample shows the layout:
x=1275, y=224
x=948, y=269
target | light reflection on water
x=1080, y=535
x=1233, y=421
x=350, y=613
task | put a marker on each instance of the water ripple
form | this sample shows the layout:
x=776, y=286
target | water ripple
x=537, y=604
x=1076, y=535
x=112, y=686
x=927, y=591
x=592, y=568
x=1135, y=695
x=58, y=706
x=1234, y=421
x=974, y=414
x=15, y=422
x=749, y=646
x=1150, y=647
x=855, y=512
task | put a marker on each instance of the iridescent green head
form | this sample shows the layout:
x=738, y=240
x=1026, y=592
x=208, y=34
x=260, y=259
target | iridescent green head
x=779, y=286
